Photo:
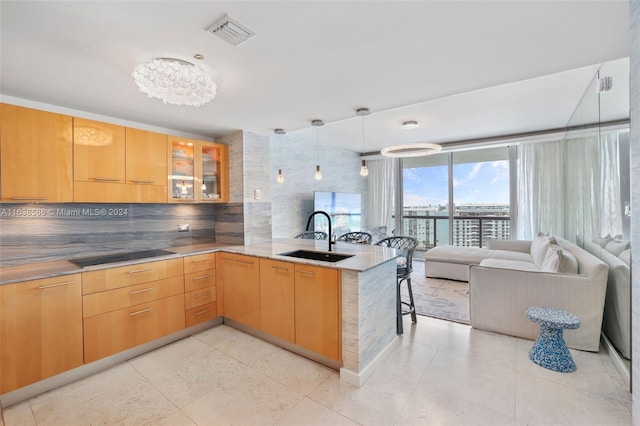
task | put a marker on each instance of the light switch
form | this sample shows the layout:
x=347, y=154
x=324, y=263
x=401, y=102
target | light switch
x=183, y=227
x=257, y=194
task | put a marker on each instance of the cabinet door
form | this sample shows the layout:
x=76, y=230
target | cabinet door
x=40, y=330
x=240, y=278
x=146, y=165
x=36, y=155
x=182, y=170
x=99, y=152
x=212, y=172
x=317, y=310
x=277, y=299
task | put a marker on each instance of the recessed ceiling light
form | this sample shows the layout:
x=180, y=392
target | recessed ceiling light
x=409, y=125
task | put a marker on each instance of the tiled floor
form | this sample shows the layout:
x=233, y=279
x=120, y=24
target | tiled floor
x=442, y=373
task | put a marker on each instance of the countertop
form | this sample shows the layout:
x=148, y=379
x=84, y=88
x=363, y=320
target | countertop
x=365, y=257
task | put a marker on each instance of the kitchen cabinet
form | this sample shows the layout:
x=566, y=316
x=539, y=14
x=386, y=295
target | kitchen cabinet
x=277, y=299
x=40, y=330
x=317, y=310
x=117, y=164
x=200, y=288
x=198, y=171
x=36, y=156
x=130, y=305
x=239, y=278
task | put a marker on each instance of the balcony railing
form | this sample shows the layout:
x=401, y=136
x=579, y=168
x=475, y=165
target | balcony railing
x=468, y=231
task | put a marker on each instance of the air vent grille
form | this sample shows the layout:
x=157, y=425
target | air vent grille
x=230, y=30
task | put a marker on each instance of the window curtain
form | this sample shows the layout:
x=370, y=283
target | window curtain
x=540, y=189
x=381, y=186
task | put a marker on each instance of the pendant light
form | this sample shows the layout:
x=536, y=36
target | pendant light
x=364, y=171
x=280, y=177
x=318, y=124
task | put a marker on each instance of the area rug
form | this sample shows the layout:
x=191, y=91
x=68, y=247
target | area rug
x=438, y=298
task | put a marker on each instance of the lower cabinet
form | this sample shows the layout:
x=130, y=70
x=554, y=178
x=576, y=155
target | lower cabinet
x=131, y=305
x=40, y=330
x=277, y=299
x=317, y=310
x=239, y=276
x=200, y=297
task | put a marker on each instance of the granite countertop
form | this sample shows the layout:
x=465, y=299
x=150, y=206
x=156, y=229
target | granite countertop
x=365, y=257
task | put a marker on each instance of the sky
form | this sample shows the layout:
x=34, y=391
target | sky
x=485, y=182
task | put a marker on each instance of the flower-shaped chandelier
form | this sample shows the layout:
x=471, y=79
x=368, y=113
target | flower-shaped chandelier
x=175, y=81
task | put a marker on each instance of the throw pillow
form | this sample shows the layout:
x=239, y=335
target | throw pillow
x=602, y=241
x=551, y=261
x=625, y=256
x=539, y=248
x=568, y=263
x=616, y=247
x=558, y=260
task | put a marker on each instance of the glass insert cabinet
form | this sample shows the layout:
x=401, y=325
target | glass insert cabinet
x=198, y=171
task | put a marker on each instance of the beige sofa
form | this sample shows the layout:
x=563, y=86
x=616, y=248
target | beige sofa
x=500, y=290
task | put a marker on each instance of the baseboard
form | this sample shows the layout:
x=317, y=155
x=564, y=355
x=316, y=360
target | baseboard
x=359, y=378
x=617, y=361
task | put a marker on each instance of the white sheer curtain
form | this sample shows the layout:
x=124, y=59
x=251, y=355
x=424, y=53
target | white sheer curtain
x=540, y=189
x=611, y=198
x=381, y=182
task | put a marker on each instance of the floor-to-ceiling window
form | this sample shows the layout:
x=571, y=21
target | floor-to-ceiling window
x=459, y=198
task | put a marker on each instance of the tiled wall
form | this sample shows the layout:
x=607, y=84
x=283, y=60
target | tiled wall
x=634, y=100
x=41, y=232
x=292, y=200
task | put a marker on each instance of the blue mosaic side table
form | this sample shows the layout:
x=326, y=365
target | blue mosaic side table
x=550, y=350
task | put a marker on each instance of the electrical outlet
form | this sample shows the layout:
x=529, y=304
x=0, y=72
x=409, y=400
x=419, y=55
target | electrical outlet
x=257, y=194
x=183, y=228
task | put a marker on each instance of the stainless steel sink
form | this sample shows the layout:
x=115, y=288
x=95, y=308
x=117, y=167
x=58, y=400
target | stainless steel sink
x=316, y=255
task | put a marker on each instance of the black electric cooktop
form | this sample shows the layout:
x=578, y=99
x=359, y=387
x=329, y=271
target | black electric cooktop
x=119, y=257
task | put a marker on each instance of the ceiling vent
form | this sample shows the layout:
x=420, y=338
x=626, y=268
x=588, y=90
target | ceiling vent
x=230, y=30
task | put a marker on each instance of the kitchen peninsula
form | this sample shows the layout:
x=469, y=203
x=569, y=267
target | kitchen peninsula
x=365, y=305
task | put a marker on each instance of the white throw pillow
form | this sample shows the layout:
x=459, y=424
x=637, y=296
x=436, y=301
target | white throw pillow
x=539, y=248
x=616, y=246
x=557, y=260
x=602, y=241
x=625, y=256
x=551, y=261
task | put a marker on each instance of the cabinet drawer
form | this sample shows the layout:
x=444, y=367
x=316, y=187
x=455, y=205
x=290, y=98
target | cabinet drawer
x=107, y=301
x=115, y=331
x=200, y=314
x=108, y=279
x=199, y=280
x=199, y=297
x=199, y=262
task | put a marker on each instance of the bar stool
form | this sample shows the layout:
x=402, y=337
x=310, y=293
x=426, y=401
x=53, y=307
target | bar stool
x=407, y=245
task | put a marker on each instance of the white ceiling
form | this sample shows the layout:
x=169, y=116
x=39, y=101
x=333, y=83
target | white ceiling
x=464, y=69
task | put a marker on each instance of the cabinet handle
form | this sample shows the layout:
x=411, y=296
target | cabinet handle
x=203, y=294
x=140, y=312
x=104, y=179
x=29, y=198
x=141, y=291
x=200, y=260
x=139, y=270
x=202, y=312
x=42, y=287
x=247, y=262
x=201, y=278
x=280, y=268
x=305, y=272
x=143, y=181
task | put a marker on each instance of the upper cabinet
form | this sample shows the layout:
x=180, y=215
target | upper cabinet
x=198, y=171
x=36, y=156
x=117, y=164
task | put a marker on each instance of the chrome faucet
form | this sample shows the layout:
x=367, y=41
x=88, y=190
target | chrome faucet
x=328, y=218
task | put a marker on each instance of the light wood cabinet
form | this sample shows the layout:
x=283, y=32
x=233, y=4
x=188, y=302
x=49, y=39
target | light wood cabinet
x=200, y=314
x=201, y=292
x=317, y=310
x=130, y=305
x=40, y=330
x=198, y=171
x=117, y=164
x=36, y=156
x=277, y=299
x=199, y=262
x=239, y=279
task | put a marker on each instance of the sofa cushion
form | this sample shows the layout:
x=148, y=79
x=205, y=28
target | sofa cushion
x=539, y=248
x=456, y=254
x=510, y=255
x=509, y=264
x=625, y=256
x=616, y=246
x=557, y=260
